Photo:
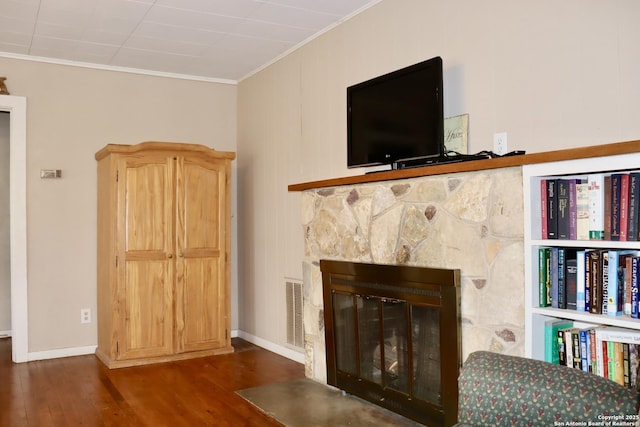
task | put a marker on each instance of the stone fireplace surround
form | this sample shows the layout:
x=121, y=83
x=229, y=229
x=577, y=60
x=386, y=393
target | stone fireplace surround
x=466, y=216
x=472, y=221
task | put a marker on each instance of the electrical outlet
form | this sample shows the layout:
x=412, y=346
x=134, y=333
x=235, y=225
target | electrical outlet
x=85, y=315
x=500, y=143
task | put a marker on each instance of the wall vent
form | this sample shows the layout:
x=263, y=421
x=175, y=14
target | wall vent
x=295, y=329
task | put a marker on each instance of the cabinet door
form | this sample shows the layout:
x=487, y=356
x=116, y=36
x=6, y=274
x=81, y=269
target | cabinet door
x=146, y=269
x=201, y=273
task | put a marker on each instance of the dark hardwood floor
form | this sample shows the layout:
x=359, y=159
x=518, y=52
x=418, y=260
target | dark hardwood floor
x=81, y=391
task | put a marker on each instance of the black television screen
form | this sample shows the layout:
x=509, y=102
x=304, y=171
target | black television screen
x=396, y=116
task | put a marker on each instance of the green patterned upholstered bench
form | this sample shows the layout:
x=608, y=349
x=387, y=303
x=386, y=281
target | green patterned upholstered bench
x=500, y=390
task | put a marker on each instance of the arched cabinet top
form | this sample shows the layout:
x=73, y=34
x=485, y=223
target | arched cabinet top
x=174, y=147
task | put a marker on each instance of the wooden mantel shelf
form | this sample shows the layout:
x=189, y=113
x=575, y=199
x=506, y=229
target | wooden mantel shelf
x=476, y=165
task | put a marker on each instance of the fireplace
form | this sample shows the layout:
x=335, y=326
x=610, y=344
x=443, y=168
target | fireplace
x=393, y=336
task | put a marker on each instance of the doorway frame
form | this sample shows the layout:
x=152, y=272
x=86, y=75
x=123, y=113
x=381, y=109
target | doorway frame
x=17, y=108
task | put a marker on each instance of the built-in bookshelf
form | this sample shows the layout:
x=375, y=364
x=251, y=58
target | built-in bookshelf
x=539, y=312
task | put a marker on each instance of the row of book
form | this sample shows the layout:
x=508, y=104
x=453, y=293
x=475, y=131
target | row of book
x=606, y=351
x=598, y=281
x=596, y=207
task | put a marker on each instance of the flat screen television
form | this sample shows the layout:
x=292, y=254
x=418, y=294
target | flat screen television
x=396, y=117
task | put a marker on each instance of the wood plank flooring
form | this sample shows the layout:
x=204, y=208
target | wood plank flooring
x=81, y=391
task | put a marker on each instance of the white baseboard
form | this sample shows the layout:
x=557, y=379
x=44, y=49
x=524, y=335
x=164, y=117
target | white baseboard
x=91, y=349
x=268, y=345
x=5, y=334
x=62, y=352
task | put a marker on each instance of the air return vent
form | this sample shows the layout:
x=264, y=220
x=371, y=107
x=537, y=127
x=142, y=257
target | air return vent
x=295, y=330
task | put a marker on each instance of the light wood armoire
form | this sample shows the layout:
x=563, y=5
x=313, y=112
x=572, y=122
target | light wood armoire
x=164, y=221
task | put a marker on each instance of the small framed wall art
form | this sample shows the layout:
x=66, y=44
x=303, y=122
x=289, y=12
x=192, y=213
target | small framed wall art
x=456, y=130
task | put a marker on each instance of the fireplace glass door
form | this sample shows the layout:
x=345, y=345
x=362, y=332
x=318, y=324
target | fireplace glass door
x=373, y=343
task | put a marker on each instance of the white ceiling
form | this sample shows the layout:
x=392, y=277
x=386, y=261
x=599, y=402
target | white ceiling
x=210, y=39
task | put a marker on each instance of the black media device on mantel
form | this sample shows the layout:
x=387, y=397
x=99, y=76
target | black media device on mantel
x=397, y=117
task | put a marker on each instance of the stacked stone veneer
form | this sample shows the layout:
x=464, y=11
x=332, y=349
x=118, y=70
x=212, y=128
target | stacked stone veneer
x=470, y=221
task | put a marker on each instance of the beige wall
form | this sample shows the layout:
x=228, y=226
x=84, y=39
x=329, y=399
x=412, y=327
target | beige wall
x=551, y=74
x=5, y=267
x=71, y=113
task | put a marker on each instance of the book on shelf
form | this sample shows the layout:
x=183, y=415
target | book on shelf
x=573, y=209
x=628, y=280
x=626, y=378
x=554, y=274
x=634, y=206
x=610, y=307
x=595, y=280
x=596, y=205
x=585, y=349
x=562, y=348
x=543, y=209
x=551, y=328
x=619, y=207
x=574, y=336
x=571, y=281
x=626, y=260
x=624, y=207
x=563, y=213
x=606, y=207
x=562, y=278
x=634, y=362
x=544, y=278
x=612, y=203
x=580, y=280
x=587, y=280
x=582, y=211
x=618, y=367
x=635, y=265
x=593, y=354
x=604, y=282
x=552, y=208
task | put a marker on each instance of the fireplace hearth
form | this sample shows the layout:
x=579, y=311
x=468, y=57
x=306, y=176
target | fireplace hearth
x=393, y=336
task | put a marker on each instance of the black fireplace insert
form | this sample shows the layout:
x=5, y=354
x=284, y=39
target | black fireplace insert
x=393, y=336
